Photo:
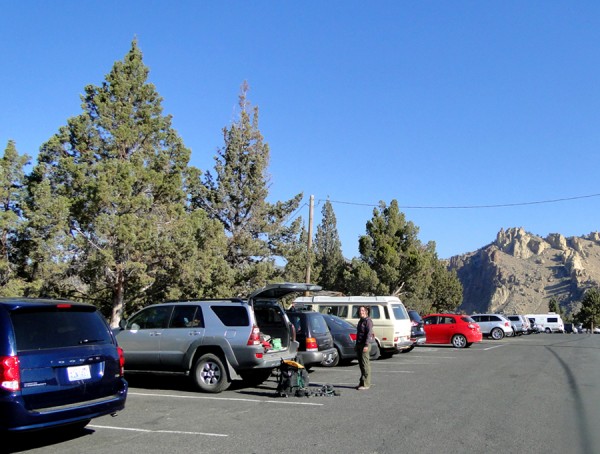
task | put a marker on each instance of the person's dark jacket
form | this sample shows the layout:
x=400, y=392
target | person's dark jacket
x=364, y=331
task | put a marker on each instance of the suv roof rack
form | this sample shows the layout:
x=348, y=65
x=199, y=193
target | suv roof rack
x=191, y=300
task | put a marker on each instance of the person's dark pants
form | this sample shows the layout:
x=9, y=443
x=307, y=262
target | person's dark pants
x=364, y=362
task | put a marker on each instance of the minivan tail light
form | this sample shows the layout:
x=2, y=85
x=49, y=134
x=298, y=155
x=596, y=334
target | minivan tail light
x=353, y=336
x=311, y=344
x=121, y=362
x=10, y=373
x=254, y=338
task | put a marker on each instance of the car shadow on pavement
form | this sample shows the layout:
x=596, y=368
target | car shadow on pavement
x=48, y=437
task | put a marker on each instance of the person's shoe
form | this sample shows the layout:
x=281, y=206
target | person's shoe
x=362, y=388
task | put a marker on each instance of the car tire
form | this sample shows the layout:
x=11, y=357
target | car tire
x=375, y=351
x=497, y=334
x=209, y=374
x=548, y=330
x=459, y=341
x=334, y=361
x=256, y=377
x=409, y=349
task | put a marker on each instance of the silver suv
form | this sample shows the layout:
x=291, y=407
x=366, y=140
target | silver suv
x=214, y=341
x=520, y=324
x=495, y=326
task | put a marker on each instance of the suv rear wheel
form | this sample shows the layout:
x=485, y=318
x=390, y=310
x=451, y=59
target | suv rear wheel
x=209, y=374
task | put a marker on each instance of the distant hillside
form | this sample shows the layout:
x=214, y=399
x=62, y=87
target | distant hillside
x=521, y=272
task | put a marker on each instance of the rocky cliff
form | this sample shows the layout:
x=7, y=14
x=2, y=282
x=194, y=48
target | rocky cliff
x=520, y=272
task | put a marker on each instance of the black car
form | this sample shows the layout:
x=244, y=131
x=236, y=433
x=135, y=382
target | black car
x=417, y=332
x=344, y=339
x=314, y=338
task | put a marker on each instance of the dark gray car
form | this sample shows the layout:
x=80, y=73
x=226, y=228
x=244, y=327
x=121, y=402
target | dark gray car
x=314, y=338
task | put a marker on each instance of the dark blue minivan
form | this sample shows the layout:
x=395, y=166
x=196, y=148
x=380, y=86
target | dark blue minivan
x=60, y=365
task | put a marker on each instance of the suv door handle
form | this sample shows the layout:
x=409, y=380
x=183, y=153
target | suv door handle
x=155, y=333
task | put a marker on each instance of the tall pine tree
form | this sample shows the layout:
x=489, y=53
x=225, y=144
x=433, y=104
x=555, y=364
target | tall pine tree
x=119, y=166
x=328, y=250
x=236, y=196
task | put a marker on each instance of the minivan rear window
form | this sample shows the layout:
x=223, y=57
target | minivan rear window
x=44, y=329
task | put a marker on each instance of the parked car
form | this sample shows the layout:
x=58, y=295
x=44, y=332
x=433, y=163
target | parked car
x=417, y=332
x=534, y=328
x=213, y=341
x=495, y=326
x=59, y=365
x=344, y=340
x=315, y=340
x=459, y=330
x=520, y=324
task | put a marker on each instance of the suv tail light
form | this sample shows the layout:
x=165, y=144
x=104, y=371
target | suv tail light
x=353, y=336
x=254, y=338
x=507, y=324
x=121, y=362
x=311, y=344
x=10, y=373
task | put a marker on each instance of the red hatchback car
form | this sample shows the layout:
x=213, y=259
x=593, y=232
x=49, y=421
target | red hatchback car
x=459, y=330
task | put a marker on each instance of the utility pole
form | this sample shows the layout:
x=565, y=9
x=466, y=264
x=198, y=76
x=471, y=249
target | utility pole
x=310, y=231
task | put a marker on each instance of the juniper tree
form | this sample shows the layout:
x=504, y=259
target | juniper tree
x=403, y=265
x=119, y=166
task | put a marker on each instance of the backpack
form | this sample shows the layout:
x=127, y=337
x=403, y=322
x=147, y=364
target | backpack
x=293, y=380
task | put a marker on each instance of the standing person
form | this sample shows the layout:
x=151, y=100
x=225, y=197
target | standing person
x=364, y=337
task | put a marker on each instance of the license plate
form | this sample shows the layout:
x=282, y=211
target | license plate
x=79, y=373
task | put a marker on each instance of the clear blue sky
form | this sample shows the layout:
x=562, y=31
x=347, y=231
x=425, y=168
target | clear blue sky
x=436, y=104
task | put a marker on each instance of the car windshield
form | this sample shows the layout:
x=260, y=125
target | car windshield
x=414, y=316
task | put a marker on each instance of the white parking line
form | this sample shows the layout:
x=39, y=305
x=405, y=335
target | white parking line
x=233, y=399
x=495, y=346
x=157, y=431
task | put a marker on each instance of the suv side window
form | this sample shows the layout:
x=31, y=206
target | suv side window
x=232, y=315
x=187, y=317
x=495, y=318
x=552, y=320
x=151, y=318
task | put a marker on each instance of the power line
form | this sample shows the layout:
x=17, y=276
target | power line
x=468, y=207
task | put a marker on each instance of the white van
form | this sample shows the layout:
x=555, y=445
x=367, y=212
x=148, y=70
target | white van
x=391, y=323
x=549, y=323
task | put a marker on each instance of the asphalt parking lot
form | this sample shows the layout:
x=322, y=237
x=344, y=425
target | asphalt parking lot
x=536, y=393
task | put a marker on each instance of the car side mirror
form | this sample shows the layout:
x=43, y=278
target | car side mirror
x=122, y=323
